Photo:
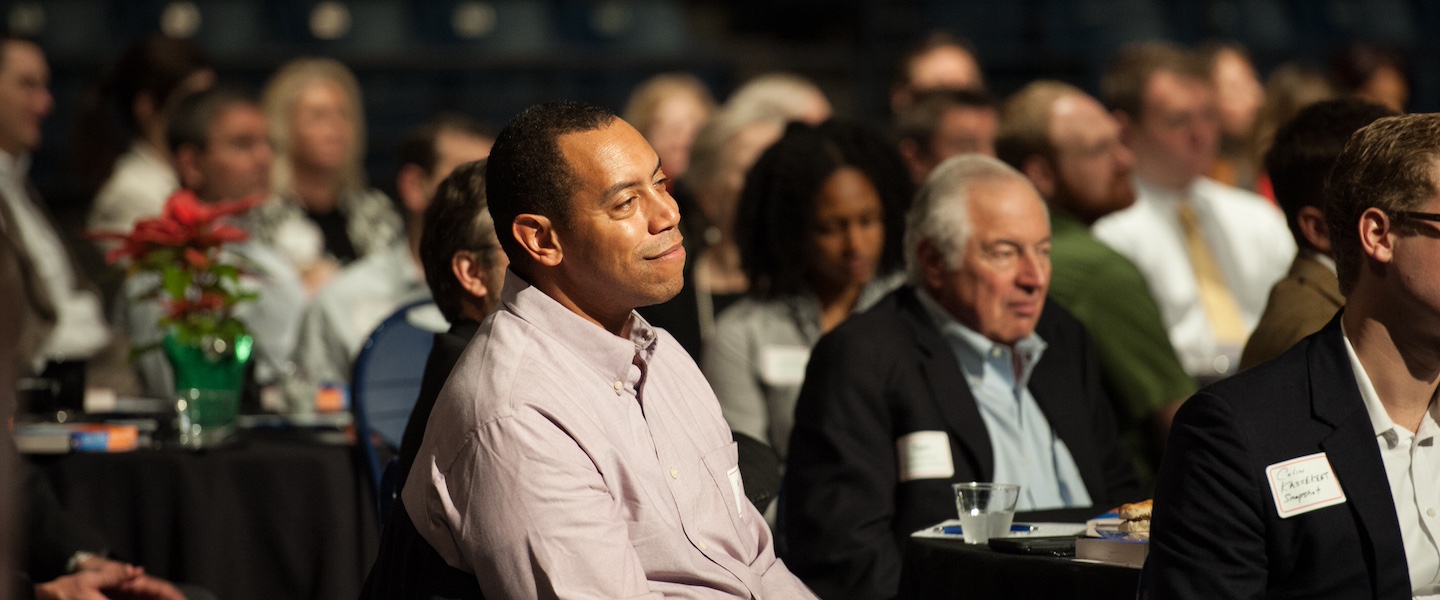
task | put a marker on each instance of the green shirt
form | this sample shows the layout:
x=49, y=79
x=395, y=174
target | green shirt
x=1109, y=295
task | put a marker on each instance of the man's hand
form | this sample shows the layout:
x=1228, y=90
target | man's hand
x=83, y=585
x=99, y=578
x=144, y=587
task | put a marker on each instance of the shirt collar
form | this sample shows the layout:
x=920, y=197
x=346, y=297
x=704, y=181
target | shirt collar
x=1146, y=189
x=1321, y=258
x=15, y=168
x=1379, y=417
x=609, y=355
x=977, y=349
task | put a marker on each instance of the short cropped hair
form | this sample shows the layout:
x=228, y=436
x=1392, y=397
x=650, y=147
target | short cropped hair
x=418, y=147
x=940, y=213
x=1025, y=121
x=457, y=220
x=193, y=115
x=1390, y=165
x=528, y=173
x=1123, y=86
x=1305, y=149
x=921, y=120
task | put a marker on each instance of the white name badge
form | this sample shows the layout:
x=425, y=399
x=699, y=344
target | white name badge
x=737, y=490
x=783, y=365
x=925, y=455
x=1303, y=484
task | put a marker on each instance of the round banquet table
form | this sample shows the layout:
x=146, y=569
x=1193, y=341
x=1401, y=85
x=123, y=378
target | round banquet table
x=267, y=517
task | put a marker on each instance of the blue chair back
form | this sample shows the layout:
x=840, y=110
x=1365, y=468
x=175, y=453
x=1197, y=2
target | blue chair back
x=385, y=381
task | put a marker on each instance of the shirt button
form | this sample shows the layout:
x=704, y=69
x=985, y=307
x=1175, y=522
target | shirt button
x=703, y=546
x=674, y=473
x=619, y=386
x=1430, y=512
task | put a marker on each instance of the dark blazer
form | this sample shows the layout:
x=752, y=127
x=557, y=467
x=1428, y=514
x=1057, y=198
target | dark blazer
x=887, y=373
x=444, y=353
x=1216, y=532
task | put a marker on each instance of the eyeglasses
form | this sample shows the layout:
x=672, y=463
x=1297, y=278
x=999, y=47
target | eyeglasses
x=1418, y=216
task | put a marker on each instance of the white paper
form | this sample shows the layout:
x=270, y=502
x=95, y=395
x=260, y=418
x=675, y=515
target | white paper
x=1303, y=484
x=925, y=455
x=783, y=365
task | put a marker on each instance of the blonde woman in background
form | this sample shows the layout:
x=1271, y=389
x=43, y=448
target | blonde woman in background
x=791, y=96
x=323, y=215
x=669, y=109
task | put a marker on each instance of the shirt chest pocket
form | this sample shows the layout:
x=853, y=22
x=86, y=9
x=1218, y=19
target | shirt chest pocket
x=726, y=495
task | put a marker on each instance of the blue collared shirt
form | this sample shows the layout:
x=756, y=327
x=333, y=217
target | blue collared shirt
x=1025, y=447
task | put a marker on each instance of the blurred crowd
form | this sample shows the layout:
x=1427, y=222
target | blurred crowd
x=1178, y=197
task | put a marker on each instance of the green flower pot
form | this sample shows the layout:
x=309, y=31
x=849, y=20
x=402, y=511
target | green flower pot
x=208, y=379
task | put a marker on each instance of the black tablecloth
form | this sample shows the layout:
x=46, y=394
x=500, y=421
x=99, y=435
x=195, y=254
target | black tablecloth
x=953, y=569
x=262, y=518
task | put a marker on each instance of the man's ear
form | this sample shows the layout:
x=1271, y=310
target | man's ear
x=410, y=184
x=537, y=236
x=1040, y=173
x=933, y=265
x=916, y=159
x=1127, y=127
x=144, y=107
x=470, y=272
x=1377, y=237
x=1311, y=222
x=187, y=165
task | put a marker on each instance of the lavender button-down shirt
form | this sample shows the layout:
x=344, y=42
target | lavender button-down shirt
x=565, y=462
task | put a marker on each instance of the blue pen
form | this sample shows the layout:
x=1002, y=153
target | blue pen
x=955, y=529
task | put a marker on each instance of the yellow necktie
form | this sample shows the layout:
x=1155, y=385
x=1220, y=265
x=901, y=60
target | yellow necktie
x=1219, y=303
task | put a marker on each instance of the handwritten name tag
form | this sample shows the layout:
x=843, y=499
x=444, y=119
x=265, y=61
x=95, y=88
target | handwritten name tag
x=925, y=455
x=1303, y=484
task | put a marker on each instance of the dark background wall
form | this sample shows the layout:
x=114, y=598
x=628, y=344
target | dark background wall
x=490, y=58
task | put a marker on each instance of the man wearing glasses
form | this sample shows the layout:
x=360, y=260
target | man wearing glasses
x=1316, y=474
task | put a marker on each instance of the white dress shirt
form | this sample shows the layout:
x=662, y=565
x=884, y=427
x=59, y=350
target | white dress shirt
x=1412, y=465
x=1251, y=243
x=80, y=327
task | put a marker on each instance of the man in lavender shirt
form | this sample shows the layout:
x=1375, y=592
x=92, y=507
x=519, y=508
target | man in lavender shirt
x=576, y=451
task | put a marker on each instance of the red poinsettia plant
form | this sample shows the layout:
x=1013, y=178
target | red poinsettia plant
x=198, y=284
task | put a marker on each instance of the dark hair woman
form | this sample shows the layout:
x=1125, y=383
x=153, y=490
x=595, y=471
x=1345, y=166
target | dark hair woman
x=820, y=224
x=120, y=143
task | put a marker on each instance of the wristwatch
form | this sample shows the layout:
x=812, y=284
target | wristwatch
x=77, y=559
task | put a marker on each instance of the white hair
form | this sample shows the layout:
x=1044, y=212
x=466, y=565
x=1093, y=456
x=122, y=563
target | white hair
x=940, y=214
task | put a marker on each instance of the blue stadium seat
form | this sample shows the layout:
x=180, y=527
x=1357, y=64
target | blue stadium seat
x=386, y=381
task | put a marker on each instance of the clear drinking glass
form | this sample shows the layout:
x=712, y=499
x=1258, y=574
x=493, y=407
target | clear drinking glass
x=986, y=509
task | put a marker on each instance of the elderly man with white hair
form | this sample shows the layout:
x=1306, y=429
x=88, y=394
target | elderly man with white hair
x=965, y=374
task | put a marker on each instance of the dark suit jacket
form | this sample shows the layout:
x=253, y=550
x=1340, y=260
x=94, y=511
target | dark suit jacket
x=443, y=354
x=1299, y=305
x=887, y=373
x=1216, y=532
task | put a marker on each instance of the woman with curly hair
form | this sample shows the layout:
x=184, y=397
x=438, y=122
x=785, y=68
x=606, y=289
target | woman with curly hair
x=819, y=228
